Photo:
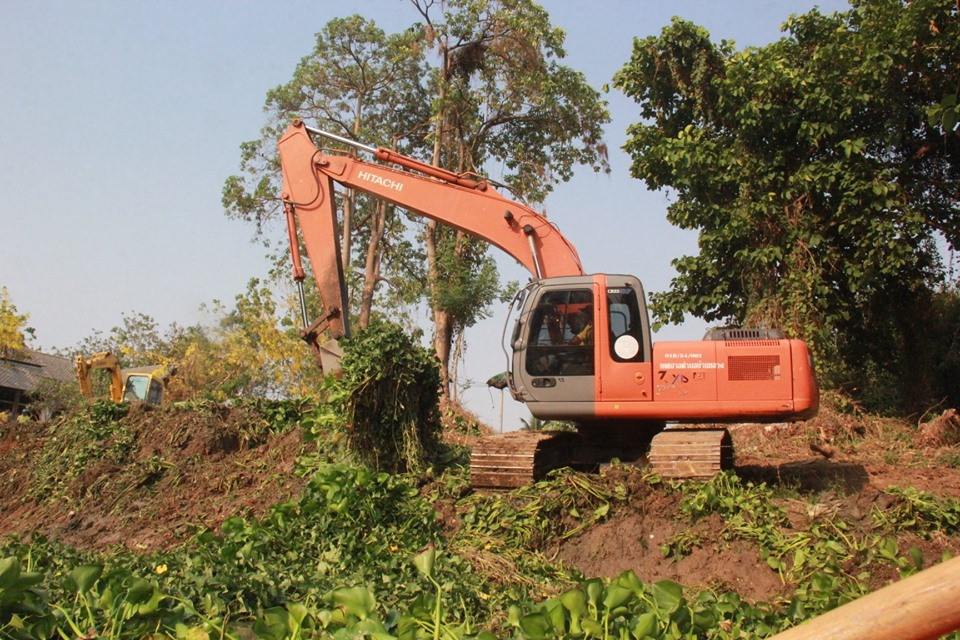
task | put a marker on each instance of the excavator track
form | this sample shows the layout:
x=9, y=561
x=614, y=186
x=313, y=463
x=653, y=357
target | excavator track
x=519, y=458
x=691, y=453
x=523, y=457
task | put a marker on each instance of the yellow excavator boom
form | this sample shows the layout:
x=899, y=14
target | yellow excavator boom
x=103, y=360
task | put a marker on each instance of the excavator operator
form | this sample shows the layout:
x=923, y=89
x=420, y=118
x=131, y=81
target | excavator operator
x=581, y=323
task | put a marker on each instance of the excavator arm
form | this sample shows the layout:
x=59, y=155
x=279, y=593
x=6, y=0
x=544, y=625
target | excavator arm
x=465, y=203
x=104, y=360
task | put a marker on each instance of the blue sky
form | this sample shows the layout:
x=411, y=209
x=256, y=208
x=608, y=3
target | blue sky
x=120, y=121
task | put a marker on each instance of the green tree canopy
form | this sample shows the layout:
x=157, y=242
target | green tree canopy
x=497, y=95
x=363, y=84
x=502, y=96
x=820, y=171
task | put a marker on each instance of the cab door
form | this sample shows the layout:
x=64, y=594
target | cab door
x=626, y=373
x=555, y=355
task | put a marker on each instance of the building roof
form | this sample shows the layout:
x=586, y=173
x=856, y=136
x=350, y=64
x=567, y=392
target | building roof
x=25, y=370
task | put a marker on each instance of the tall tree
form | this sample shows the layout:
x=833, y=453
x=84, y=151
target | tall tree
x=360, y=83
x=819, y=170
x=498, y=94
x=502, y=96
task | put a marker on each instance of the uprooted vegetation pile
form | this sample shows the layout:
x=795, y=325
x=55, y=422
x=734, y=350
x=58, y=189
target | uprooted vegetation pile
x=253, y=520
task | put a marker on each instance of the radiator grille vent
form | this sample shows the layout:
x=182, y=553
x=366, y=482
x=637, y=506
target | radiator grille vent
x=751, y=343
x=754, y=367
x=741, y=333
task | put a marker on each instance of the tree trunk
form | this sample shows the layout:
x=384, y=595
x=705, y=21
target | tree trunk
x=371, y=270
x=441, y=319
x=455, y=373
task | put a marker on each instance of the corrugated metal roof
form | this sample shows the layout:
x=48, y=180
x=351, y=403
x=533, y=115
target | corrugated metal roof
x=27, y=370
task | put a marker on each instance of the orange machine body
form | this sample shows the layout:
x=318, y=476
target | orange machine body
x=622, y=375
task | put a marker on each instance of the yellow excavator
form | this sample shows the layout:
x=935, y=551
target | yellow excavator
x=139, y=384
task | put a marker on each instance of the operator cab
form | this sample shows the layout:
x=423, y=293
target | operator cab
x=142, y=387
x=573, y=332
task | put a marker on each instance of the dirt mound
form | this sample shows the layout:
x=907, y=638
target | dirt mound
x=846, y=455
x=837, y=468
x=633, y=540
x=180, y=472
x=163, y=474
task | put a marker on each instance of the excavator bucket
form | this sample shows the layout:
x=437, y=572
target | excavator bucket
x=329, y=354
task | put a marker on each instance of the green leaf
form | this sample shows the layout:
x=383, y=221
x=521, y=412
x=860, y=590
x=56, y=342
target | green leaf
x=668, y=595
x=916, y=556
x=799, y=558
x=950, y=119
x=574, y=601
x=630, y=580
x=644, y=625
x=9, y=571
x=425, y=560
x=84, y=577
x=592, y=627
x=594, y=589
x=140, y=591
x=191, y=633
x=615, y=596
x=888, y=548
x=152, y=605
x=273, y=624
x=356, y=601
x=555, y=614
x=298, y=612
x=536, y=626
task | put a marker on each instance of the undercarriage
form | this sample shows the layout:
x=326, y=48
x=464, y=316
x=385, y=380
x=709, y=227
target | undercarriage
x=523, y=457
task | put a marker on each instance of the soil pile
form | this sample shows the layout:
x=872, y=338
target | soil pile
x=165, y=475
x=830, y=467
x=169, y=473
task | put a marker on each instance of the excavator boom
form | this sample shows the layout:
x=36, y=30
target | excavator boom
x=466, y=204
x=104, y=360
x=470, y=205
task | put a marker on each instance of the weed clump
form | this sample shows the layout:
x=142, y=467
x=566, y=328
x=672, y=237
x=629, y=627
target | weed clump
x=387, y=399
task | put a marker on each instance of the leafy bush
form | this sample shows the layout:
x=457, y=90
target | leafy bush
x=387, y=399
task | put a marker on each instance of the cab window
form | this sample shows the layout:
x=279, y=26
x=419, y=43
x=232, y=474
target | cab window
x=561, y=334
x=155, y=396
x=136, y=388
x=626, y=325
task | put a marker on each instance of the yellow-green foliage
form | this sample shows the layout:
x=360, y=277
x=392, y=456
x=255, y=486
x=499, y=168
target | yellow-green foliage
x=12, y=325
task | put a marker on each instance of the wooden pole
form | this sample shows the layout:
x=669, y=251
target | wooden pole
x=924, y=606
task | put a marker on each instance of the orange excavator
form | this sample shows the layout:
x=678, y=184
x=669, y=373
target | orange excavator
x=580, y=345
